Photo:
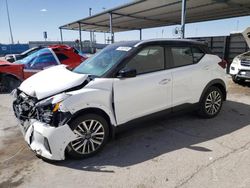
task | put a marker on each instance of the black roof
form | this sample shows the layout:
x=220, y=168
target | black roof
x=136, y=43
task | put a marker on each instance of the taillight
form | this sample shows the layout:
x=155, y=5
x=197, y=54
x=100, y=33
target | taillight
x=223, y=63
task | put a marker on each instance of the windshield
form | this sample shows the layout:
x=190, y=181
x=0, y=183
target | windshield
x=32, y=56
x=103, y=61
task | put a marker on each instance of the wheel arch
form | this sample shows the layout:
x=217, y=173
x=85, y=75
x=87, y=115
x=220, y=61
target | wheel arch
x=97, y=111
x=2, y=75
x=4, y=84
x=217, y=83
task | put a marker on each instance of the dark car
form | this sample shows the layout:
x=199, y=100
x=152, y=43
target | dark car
x=14, y=57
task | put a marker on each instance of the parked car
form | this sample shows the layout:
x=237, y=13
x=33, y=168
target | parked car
x=77, y=110
x=12, y=74
x=14, y=57
x=240, y=66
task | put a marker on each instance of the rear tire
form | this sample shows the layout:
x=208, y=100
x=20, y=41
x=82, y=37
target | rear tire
x=92, y=131
x=211, y=103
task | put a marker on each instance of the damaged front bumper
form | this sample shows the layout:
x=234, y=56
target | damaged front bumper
x=47, y=141
x=45, y=130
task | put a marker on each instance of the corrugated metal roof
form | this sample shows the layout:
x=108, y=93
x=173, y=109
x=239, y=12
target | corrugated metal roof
x=143, y=14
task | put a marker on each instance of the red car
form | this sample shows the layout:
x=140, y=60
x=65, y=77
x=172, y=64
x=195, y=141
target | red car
x=12, y=74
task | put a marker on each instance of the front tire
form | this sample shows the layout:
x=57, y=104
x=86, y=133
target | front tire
x=92, y=132
x=211, y=103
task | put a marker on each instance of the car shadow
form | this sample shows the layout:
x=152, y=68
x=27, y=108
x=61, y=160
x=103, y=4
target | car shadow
x=150, y=139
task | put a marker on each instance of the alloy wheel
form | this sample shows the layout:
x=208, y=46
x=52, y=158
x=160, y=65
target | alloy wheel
x=213, y=102
x=90, y=136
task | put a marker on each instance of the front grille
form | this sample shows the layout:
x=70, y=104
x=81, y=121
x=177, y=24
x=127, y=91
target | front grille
x=245, y=63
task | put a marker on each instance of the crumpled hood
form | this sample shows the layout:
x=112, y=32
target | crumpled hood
x=51, y=81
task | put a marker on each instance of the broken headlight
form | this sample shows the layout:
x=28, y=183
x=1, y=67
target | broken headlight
x=49, y=113
x=45, y=111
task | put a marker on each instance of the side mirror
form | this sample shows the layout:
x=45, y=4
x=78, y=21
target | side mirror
x=126, y=73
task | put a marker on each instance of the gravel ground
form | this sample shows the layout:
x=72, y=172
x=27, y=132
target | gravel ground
x=181, y=151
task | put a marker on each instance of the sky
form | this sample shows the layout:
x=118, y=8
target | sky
x=30, y=18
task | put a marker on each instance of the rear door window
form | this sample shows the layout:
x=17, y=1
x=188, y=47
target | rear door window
x=182, y=56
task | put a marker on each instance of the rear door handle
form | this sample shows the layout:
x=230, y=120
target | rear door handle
x=164, y=81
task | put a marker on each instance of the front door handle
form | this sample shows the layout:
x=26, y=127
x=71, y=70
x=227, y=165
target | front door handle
x=164, y=81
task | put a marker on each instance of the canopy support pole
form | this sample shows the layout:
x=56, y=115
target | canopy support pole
x=90, y=33
x=140, y=34
x=111, y=27
x=183, y=18
x=80, y=36
x=8, y=15
x=61, y=35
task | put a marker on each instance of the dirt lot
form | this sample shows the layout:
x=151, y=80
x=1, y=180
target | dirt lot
x=182, y=151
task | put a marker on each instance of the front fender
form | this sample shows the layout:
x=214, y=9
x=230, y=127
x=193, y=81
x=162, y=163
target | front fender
x=90, y=98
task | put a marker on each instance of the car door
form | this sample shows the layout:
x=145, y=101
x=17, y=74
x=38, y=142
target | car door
x=187, y=75
x=148, y=92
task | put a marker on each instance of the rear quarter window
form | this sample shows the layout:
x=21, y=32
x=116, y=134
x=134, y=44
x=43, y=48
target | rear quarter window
x=197, y=54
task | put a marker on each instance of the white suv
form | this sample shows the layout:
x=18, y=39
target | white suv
x=74, y=112
x=240, y=66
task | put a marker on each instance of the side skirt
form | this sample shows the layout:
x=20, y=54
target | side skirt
x=142, y=121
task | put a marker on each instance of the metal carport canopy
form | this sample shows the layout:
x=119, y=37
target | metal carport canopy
x=143, y=14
